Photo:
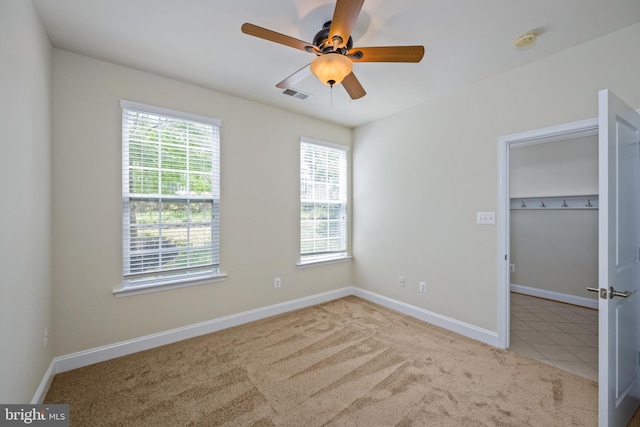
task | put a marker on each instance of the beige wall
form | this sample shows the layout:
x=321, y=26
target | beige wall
x=555, y=250
x=560, y=168
x=421, y=176
x=25, y=219
x=259, y=206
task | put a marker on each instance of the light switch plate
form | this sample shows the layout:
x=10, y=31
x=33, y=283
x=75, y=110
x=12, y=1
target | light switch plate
x=486, y=218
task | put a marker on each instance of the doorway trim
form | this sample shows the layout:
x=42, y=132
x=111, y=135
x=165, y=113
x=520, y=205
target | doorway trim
x=538, y=136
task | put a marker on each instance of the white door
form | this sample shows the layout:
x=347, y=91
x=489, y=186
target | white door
x=619, y=267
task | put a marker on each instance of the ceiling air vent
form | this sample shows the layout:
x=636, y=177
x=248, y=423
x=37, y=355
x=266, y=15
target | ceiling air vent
x=296, y=93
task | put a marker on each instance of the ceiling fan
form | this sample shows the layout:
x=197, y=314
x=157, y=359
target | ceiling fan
x=334, y=50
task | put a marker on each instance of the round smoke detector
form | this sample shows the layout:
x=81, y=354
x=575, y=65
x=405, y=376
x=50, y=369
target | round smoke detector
x=525, y=40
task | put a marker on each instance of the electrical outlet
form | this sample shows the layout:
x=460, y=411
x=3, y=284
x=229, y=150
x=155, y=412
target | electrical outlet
x=512, y=268
x=46, y=336
x=402, y=282
x=422, y=287
x=486, y=218
x=277, y=282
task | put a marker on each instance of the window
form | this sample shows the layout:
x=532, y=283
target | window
x=323, y=201
x=170, y=195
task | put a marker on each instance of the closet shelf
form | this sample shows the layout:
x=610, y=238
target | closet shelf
x=557, y=202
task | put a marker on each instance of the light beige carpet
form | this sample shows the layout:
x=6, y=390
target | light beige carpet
x=344, y=363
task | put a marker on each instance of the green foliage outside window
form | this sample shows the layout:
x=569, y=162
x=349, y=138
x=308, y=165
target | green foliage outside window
x=170, y=197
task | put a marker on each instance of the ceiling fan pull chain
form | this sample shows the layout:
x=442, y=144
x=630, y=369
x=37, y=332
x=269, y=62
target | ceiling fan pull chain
x=331, y=96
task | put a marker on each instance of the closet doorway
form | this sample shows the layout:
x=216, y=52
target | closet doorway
x=551, y=209
x=553, y=187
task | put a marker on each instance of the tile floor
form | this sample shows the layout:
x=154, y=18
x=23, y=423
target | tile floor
x=556, y=333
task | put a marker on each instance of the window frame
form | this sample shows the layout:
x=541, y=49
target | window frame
x=343, y=254
x=134, y=283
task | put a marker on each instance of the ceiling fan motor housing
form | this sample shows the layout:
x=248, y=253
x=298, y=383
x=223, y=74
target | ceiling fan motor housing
x=321, y=40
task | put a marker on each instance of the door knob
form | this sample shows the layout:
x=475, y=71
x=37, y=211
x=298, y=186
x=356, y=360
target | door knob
x=614, y=293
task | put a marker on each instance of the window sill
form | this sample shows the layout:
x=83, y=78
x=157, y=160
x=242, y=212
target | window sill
x=317, y=262
x=127, y=291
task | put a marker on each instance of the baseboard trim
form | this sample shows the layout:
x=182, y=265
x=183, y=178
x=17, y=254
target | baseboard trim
x=100, y=354
x=462, y=328
x=123, y=348
x=43, y=388
x=556, y=296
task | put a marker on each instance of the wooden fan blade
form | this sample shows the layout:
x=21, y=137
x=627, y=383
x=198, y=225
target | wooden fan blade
x=345, y=15
x=295, y=78
x=353, y=87
x=387, y=54
x=263, y=33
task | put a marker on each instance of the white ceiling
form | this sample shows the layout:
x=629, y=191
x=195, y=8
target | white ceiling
x=200, y=42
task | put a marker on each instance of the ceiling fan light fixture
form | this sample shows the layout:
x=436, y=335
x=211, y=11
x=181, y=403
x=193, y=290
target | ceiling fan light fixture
x=331, y=68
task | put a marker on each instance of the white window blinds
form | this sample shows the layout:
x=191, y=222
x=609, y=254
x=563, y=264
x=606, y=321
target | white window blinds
x=323, y=201
x=171, y=195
